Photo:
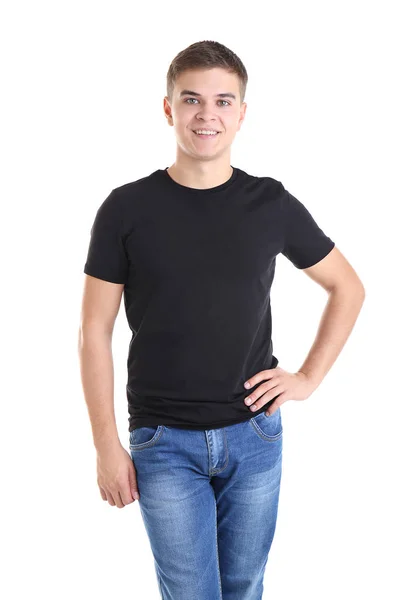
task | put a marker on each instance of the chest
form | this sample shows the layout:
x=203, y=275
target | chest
x=237, y=241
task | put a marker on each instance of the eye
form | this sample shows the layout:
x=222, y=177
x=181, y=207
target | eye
x=186, y=101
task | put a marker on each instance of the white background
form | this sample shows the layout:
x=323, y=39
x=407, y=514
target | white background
x=332, y=114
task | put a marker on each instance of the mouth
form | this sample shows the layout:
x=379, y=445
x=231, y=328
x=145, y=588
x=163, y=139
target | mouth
x=206, y=136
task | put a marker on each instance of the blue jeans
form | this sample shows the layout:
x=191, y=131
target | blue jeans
x=209, y=503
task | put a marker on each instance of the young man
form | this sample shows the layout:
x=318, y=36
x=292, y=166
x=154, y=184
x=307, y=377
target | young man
x=193, y=248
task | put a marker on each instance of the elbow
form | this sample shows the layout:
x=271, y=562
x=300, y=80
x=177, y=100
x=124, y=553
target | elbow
x=93, y=332
x=354, y=289
x=360, y=292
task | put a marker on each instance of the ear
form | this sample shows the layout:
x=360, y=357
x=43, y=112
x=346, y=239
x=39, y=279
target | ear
x=167, y=110
x=242, y=114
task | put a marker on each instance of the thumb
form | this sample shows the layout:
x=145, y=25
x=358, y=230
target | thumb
x=134, y=485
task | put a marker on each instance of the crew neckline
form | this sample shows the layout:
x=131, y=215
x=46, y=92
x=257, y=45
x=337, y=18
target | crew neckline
x=199, y=191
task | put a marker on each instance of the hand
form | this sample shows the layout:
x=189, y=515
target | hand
x=116, y=476
x=281, y=383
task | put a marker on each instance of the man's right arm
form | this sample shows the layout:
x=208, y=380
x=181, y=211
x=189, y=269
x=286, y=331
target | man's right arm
x=100, y=305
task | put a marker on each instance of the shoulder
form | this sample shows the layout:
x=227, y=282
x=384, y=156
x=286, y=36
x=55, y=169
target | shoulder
x=264, y=183
x=139, y=186
x=125, y=199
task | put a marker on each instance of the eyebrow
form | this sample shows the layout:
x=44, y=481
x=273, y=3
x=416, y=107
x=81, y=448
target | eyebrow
x=224, y=95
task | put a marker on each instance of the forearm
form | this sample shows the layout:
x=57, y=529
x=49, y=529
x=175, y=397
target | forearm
x=339, y=317
x=97, y=376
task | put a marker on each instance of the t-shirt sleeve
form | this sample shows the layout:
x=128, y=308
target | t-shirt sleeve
x=106, y=256
x=305, y=243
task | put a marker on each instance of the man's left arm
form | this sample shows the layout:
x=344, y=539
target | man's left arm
x=346, y=295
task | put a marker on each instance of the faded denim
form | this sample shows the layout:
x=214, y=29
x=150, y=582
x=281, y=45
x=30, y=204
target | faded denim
x=209, y=503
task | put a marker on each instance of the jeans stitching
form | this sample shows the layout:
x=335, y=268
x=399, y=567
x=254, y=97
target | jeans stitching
x=216, y=471
x=160, y=585
x=217, y=552
x=151, y=442
x=261, y=434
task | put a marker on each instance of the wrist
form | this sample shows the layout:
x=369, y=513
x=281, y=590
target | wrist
x=313, y=379
x=106, y=442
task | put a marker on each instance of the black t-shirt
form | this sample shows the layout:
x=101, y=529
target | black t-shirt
x=197, y=267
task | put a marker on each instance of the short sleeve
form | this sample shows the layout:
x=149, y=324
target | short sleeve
x=305, y=243
x=106, y=256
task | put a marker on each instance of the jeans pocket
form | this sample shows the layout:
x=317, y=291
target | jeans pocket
x=144, y=437
x=268, y=428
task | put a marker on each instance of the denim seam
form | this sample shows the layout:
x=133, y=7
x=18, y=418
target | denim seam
x=160, y=586
x=217, y=550
x=216, y=471
x=151, y=442
x=261, y=434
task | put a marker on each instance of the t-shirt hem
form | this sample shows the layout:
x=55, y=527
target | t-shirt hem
x=135, y=423
x=323, y=253
x=105, y=276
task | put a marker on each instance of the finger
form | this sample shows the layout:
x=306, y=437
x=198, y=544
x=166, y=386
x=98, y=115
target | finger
x=273, y=408
x=126, y=494
x=116, y=500
x=102, y=493
x=118, y=497
x=134, y=485
x=259, y=377
x=261, y=390
x=110, y=498
x=277, y=404
x=273, y=393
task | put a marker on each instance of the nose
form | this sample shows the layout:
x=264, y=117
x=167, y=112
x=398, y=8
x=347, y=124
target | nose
x=206, y=114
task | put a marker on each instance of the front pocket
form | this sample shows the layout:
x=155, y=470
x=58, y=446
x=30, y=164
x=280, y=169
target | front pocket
x=143, y=437
x=268, y=428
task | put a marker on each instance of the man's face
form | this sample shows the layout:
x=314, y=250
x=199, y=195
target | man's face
x=205, y=108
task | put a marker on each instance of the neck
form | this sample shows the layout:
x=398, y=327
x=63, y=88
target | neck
x=200, y=174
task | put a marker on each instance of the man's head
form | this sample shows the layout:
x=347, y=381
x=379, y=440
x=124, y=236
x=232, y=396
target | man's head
x=206, y=85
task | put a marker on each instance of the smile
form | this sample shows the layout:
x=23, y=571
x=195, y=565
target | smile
x=206, y=135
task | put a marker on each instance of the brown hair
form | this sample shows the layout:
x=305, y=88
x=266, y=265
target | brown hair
x=206, y=55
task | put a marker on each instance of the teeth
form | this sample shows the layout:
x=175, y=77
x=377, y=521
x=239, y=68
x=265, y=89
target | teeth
x=206, y=132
